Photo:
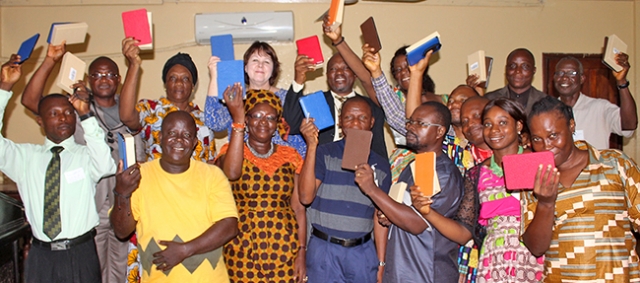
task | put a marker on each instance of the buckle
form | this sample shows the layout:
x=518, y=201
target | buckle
x=60, y=245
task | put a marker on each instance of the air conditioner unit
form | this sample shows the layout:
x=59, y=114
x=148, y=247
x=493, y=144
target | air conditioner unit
x=246, y=27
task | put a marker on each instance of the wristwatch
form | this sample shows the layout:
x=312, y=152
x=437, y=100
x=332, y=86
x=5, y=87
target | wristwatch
x=625, y=85
x=86, y=116
x=382, y=263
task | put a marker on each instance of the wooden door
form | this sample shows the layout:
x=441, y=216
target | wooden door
x=599, y=82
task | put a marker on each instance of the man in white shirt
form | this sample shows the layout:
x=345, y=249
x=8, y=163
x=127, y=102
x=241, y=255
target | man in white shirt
x=57, y=182
x=596, y=118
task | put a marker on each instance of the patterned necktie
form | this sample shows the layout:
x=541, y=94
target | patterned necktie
x=51, y=224
x=342, y=99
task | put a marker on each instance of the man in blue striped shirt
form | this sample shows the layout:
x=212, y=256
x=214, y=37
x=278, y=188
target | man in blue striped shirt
x=342, y=217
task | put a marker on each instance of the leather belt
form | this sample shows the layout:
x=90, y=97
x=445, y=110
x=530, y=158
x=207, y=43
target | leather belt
x=340, y=241
x=65, y=244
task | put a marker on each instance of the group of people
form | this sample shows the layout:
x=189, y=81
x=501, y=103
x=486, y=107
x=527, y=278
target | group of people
x=275, y=205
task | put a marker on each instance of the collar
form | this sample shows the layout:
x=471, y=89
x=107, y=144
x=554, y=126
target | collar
x=514, y=95
x=69, y=144
x=350, y=95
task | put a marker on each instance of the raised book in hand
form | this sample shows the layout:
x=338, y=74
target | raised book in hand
x=520, y=169
x=315, y=106
x=419, y=50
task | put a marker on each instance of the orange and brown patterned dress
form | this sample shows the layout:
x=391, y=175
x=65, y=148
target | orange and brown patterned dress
x=267, y=242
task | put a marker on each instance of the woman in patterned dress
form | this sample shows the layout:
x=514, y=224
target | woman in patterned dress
x=489, y=208
x=270, y=243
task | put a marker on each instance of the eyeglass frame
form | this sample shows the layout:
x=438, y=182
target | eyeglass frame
x=408, y=122
x=569, y=74
x=109, y=76
x=263, y=117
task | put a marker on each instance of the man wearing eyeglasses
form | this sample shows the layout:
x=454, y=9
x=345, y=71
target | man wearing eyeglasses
x=415, y=251
x=596, y=118
x=103, y=82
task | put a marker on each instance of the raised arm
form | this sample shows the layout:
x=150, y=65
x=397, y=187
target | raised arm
x=121, y=218
x=231, y=162
x=389, y=101
x=308, y=184
x=628, y=111
x=399, y=214
x=352, y=60
x=35, y=87
x=128, y=113
x=538, y=234
x=216, y=115
x=292, y=112
x=415, y=84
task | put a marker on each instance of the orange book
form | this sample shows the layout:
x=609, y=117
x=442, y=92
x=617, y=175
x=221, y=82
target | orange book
x=425, y=175
x=336, y=13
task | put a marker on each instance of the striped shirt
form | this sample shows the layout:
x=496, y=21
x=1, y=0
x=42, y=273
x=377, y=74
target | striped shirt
x=592, y=239
x=340, y=209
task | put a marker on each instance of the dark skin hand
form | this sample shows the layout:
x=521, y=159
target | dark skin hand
x=173, y=255
x=420, y=201
x=303, y=65
x=473, y=82
x=11, y=72
x=127, y=182
x=538, y=235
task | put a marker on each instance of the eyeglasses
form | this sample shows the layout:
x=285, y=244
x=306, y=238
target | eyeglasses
x=420, y=123
x=568, y=74
x=260, y=116
x=109, y=76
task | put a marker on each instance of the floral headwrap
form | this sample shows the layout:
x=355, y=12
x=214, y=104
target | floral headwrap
x=255, y=97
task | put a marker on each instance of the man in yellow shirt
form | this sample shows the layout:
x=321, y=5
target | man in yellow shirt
x=182, y=210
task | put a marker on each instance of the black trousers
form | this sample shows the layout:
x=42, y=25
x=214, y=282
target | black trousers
x=76, y=265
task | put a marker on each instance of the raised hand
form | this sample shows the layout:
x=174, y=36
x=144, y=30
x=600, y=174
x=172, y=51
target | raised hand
x=622, y=59
x=10, y=72
x=131, y=51
x=545, y=187
x=212, y=65
x=303, y=65
x=334, y=34
x=233, y=97
x=419, y=68
x=371, y=61
x=55, y=52
x=81, y=91
x=127, y=181
x=310, y=132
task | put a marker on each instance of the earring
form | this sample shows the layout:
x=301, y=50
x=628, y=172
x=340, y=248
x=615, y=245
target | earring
x=518, y=132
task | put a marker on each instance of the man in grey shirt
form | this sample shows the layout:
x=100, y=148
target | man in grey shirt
x=416, y=252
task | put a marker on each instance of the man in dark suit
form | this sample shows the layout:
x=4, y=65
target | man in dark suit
x=520, y=68
x=340, y=78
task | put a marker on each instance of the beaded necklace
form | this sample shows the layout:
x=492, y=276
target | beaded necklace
x=258, y=155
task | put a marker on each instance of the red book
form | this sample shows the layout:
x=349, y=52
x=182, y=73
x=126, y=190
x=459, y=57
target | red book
x=310, y=46
x=137, y=25
x=520, y=169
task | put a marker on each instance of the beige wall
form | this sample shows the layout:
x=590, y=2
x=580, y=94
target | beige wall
x=555, y=26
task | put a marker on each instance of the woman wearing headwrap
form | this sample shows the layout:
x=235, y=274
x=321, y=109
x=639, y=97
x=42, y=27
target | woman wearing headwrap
x=180, y=77
x=264, y=180
x=261, y=68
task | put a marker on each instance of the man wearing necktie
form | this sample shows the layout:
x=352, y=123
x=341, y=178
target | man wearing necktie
x=57, y=182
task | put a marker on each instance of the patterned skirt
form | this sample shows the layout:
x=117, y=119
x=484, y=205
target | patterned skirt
x=504, y=258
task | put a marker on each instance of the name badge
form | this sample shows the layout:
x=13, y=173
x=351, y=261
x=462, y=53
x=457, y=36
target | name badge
x=74, y=175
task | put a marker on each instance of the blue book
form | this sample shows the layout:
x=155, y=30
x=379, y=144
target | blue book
x=418, y=50
x=222, y=46
x=26, y=48
x=126, y=150
x=315, y=106
x=229, y=73
x=51, y=30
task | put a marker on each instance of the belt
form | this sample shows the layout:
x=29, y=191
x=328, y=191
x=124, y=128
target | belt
x=65, y=244
x=340, y=241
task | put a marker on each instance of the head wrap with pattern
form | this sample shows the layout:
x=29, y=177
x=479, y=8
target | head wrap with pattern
x=255, y=97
